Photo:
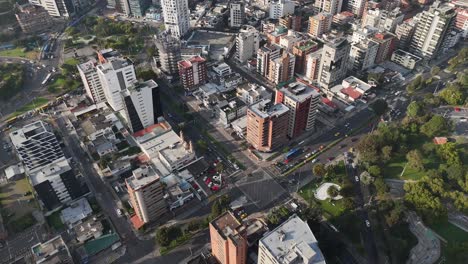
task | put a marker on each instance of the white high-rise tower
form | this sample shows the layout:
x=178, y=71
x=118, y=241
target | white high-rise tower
x=176, y=16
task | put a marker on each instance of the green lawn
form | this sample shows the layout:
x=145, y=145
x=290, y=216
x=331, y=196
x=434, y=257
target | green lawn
x=450, y=232
x=331, y=208
x=62, y=84
x=35, y=103
x=19, y=52
x=54, y=221
x=71, y=61
x=395, y=166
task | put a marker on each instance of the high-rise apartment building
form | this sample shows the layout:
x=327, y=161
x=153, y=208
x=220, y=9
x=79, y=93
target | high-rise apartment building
x=300, y=50
x=138, y=7
x=146, y=195
x=290, y=243
x=382, y=19
x=356, y=7
x=247, y=43
x=404, y=33
x=264, y=55
x=333, y=63
x=363, y=33
x=176, y=16
x=293, y=22
x=282, y=68
x=302, y=102
x=320, y=24
x=116, y=75
x=362, y=55
x=193, y=72
x=32, y=18
x=91, y=81
x=59, y=8
x=236, y=14
x=281, y=8
x=228, y=239
x=328, y=6
x=169, y=53
x=461, y=21
x=267, y=125
x=431, y=30
x=313, y=65
x=142, y=105
x=386, y=42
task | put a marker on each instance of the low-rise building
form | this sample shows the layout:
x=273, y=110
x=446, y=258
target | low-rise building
x=89, y=229
x=240, y=126
x=251, y=93
x=230, y=110
x=351, y=89
x=222, y=69
x=52, y=251
x=405, y=59
x=33, y=18
x=76, y=212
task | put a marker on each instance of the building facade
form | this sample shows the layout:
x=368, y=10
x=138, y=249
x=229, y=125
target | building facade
x=169, y=50
x=282, y=69
x=193, y=72
x=300, y=51
x=267, y=125
x=320, y=24
x=281, y=8
x=59, y=8
x=333, y=62
x=405, y=59
x=142, y=105
x=264, y=55
x=91, y=81
x=293, y=22
x=382, y=19
x=356, y=7
x=404, y=33
x=228, y=239
x=313, y=65
x=236, y=14
x=362, y=55
x=33, y=18
x=328, y=6
x=176, y=17
x=247, y=43
x=386, y=42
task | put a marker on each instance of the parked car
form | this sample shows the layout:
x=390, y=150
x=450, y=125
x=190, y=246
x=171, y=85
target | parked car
x=367, y=223
x=356, y=178
x=119, y=212
x=314, y=160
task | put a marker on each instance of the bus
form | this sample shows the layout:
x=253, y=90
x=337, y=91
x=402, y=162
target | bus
x=292, y=154
x=46, y=78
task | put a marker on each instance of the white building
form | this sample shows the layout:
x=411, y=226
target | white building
x=58, y=8
x=382, y=19
x=176, y=16
x=247, y=43
x=236, y=14
x=222, y=69
x=252, y=93
x=333, y=62
x=405, y=59
x=281, y=8
x=291, y=242
x=328, y=6
x=431, y=30
x=142, y=105
x=362, y=55
x=116, y=75
x=363, y=33
x=356, y=7
x=91, y=81
x=36, y=145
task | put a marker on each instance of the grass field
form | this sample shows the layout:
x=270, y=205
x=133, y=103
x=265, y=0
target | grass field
x=18, y=52
x=71, y=61
x=450, y=232
x=394, y=168
x=54, y=221
x=331, y=208
x=35, y=103
x=61, y=84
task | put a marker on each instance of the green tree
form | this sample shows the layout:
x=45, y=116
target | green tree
x=312, y=212
x=396, y=214
x=449, y=152
x=368, y=149
x=219, y=167
x=348, y=203
x=435, y=70
x=146, y=74
x=379, y=106
x=387, y=153
x=453, y=95
x=333, y=191
x=414, y=109
x=319, y=169
x=415, y=160
x=374, y=170
x=429, y=205
x=162, y=236
x=381, y=187
x=436, y=126
x=216, y=209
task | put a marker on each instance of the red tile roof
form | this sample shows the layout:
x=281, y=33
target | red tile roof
x=440, y=140
x=136, y=222
x=329, y=102
x=351, y=92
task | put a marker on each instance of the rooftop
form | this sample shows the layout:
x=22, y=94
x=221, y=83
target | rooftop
x=356, y=83
x=266, y=108
x=291, y=241
x=305, y=45
x=87, y=66
x=226, y=224
x=19, y=136
x=76, y=212
x=407, y=54
x=298, y=92
x=50, y=170
x=54, y=251
x=142, y=177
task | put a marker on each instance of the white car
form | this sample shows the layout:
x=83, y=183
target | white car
x=356, y=178
x=367, y=223
x=119, y=212
x=314, y=160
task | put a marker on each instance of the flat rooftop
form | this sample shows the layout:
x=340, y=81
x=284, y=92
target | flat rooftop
x=291, y=241
x=142, y=177
x=77, y=211
x=54, y=251
x=298, y=92
x=51, y=170
x=266, y=108
x=87, y=66
x=19, y=136
x=226, y=224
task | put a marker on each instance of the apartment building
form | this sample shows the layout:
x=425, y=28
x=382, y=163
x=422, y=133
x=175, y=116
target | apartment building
x=293, y=22
x=431, y=30
x=302, y=102
x=193, y=72
x=281, y=8
x=58, y=8
x=228, y=239
x=169, y=49
x=333, y=62
x=313, y=65
x=267, y=125
x=461, y=21
x=32, y=18
x=362, y=55
x=386, y=42
x=328, y=6
x=247, y=43
x=236, y=14
x=405, y=59
x=251, y=93
x=320, y=24
x=290, y=243
x=264, y=55
x=382, y=19
x=138, y=7
x=282, y=69
x=356, y=7
x=91, y=81
x=146, y=195
x=142, y=105
x=300, y=51
x=404, y=33
x=176, y=15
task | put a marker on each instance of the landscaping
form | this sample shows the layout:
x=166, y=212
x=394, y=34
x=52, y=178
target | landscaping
x=20, y=52
x=11, y=80
x=55, y=221
x=450, y=232
x=35, y=103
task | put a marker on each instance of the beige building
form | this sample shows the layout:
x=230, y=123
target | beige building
x=33, y=18
x=267, y=125
x=228, y=239
x=146, y=196
x=328, y=6
x=282, y=69
x=333, y=63
x=320, y=24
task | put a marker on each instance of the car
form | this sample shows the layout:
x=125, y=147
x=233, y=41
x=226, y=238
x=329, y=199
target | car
x=244, y=215
x=356, y=178
x=308, y=155
x=119, y=212
x=337, y=134
x=367, y=223
x=210, y=184
x=217, y=178
x=314, y=151
x=215, y=188
x=314, y=160
x=208, y=181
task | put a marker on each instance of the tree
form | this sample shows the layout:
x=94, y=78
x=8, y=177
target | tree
x=319, y=169
x=162, y=236
x=333, y=191
x=145, y=75
x=449, y=152
x=348, y=203
x=368, y=149
x=312, y=212
x=216, y=209
x=419, y=195
x=366, y=178
x=387, y=153
x=379, y=107
x=453, y=95
x=374, y=170
x=435, y=70
x=436, y=126
x=219, y=167
x=381, y=187
x=396, y=214
x=414, y=109
x=415, y=160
